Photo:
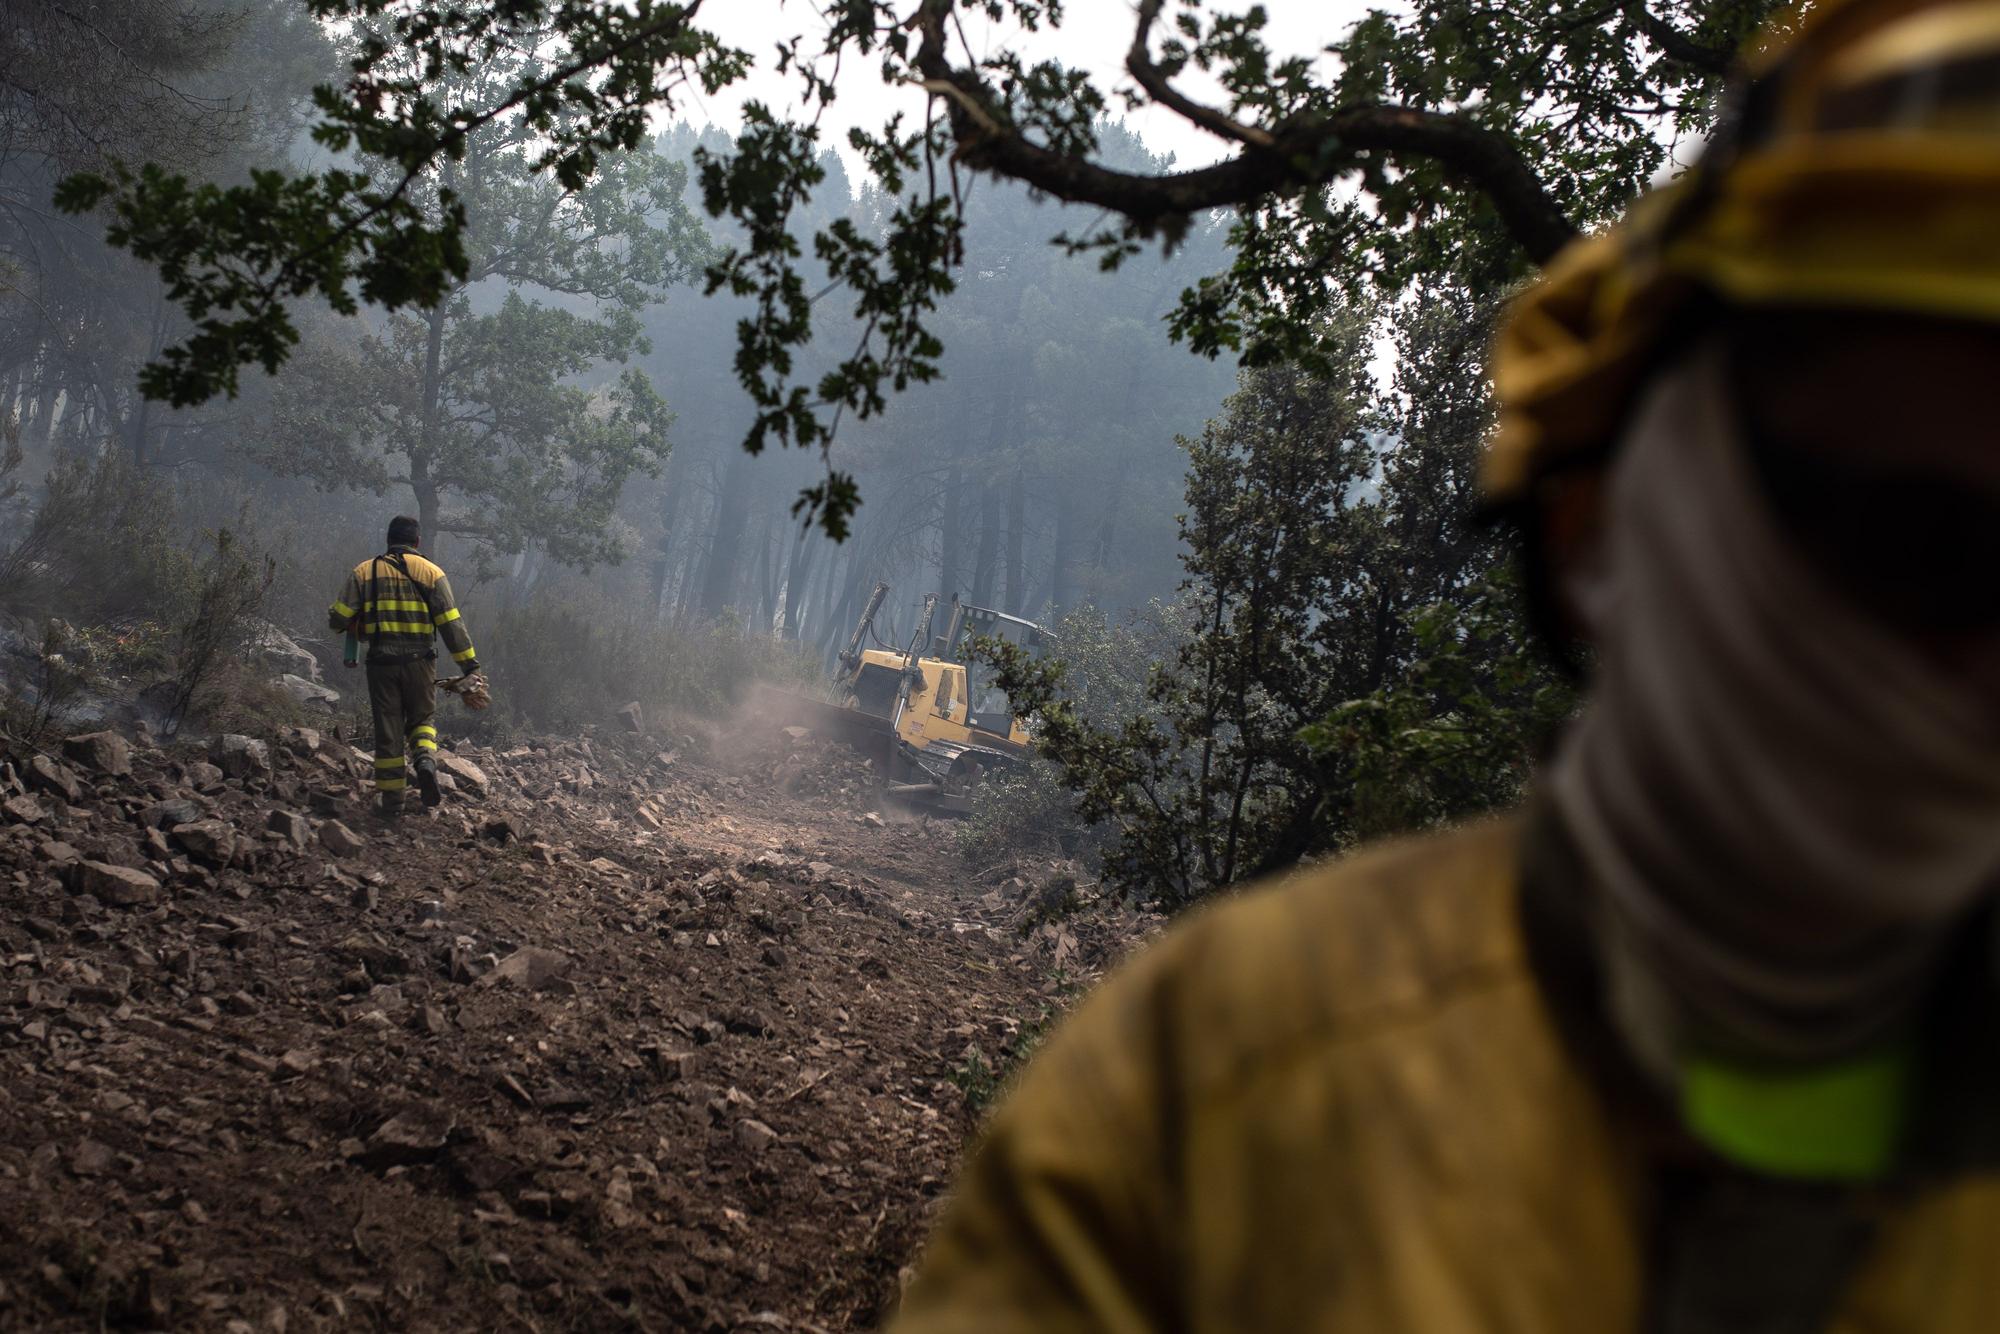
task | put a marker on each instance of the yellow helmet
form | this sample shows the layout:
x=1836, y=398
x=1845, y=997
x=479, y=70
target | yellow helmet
x=1859, y=168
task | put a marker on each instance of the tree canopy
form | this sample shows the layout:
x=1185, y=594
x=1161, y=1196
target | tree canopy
x=1350, y=666
x=1460, y=135
x=474, y=404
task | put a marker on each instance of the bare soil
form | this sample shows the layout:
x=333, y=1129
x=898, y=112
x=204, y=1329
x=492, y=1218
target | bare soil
x=647, y=1031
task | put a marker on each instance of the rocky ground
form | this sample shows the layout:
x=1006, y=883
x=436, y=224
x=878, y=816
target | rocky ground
x=636, y=1031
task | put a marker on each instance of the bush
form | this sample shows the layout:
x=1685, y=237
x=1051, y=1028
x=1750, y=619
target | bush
x=228, y=594
x=561, y=662
x=1458, y=731
x=58, y=675
x=1028, y=812
x=237, y=697
x=122, y=597
x=984, y=1083
x=104, y=546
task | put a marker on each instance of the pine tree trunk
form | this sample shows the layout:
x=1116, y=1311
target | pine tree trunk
x=1062, y=569
x=719, y=581
x=422, y=481
x=950, y=534
x=986, y=563
x=771, y=545
x=797, y=576
x=1017, y=522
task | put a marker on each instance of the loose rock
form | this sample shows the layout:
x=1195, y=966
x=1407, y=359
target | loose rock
x=504, y=830
x=410, y=1136
x=106, y=753
x=291, y=826
x=167, y=814
x=302, y=741
x=531, y=967
x=308, y=692
x=120, y=886
x=464, y=770
x=240, y=756
x=91, y=1159
x=213, y=841
x=58, y=853
x=754, y=1135
x=339, y=840
x=46, y=775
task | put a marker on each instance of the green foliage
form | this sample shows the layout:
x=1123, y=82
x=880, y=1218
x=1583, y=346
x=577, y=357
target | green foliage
x=984, y=1082
x=236, y=257
x=1335, y=577
x=213, y=246
x=1105, y=666
x=573, y=658
x=483, y=414
x=104, y=545
x=1455, y=733
x=106, y=568
x=976, y=1079
x=59, y=676
x=1454, y=137
x=152, y=96
x=1027, y=811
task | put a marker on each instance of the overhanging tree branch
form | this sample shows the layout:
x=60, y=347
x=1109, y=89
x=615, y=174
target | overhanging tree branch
x=1307, y=153
x=1139, y=63
x=1677, y=45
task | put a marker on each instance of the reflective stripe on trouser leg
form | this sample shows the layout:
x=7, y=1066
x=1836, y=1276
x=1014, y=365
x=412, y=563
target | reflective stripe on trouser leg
x=423, y=737
x=390, y=773
x=403, y=698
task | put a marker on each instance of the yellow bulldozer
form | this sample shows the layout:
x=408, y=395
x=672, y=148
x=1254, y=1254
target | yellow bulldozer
x=928, y=716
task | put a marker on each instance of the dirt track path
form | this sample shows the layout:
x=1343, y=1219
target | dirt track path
x=709, y=1087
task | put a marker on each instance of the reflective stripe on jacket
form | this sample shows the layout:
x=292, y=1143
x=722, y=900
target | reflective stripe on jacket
x=1341, y=1103
x=398, y=615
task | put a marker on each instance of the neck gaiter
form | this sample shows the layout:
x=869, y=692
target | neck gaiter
x=1784, y=806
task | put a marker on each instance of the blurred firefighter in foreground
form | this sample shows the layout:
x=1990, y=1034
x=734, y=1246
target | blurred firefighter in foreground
x=394, y=603
x=1707, y=1039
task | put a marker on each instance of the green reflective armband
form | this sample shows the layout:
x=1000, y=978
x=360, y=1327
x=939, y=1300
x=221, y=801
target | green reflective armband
x=1842, y=1121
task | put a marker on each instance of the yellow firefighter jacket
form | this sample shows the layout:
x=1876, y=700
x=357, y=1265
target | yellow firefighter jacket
x=1342, y=1103
x=399, y=615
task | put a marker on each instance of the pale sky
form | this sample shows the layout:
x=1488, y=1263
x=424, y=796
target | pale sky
x=1095, y=36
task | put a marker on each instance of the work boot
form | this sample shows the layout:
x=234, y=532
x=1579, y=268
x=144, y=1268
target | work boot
x=427, y=781
x=391, y=806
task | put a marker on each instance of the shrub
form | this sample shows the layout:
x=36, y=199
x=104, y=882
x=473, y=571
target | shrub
x=983, y=1082
x=104, y=546
x=1028, y=811
x=59, y=674
x=229, y=592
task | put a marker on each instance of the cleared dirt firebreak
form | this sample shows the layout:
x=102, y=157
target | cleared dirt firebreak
x=634, y=1032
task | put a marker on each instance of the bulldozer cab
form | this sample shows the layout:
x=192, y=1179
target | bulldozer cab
x=968, y=624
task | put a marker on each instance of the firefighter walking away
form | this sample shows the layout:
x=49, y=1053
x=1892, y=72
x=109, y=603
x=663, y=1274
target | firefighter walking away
x=395, y=603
